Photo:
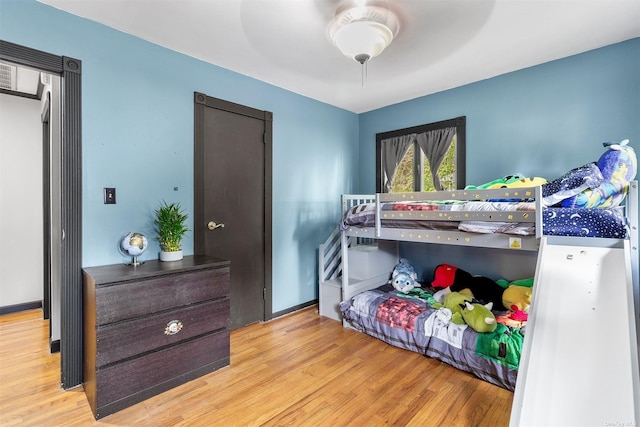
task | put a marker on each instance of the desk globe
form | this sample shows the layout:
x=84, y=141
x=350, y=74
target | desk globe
x=133, y=244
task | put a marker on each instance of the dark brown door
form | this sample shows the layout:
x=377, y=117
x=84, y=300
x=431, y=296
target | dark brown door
x=232, y=212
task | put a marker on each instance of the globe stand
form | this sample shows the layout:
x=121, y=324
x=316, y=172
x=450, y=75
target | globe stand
x=134, y=262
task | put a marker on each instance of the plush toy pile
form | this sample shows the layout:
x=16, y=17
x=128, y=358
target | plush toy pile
x=471, y=298
x=510, y=181
x=601, y=184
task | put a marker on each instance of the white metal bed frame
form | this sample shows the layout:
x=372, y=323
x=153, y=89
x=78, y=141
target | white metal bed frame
x=448, y=237
x=338, y=264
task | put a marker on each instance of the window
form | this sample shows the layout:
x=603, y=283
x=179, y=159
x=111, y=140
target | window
x=440, y=145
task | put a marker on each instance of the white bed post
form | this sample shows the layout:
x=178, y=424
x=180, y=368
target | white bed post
x=632, y=217
x=538, y=192
x=344, y=246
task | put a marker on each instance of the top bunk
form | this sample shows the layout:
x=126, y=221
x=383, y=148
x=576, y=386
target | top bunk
x=447, y=217
x=593, y=200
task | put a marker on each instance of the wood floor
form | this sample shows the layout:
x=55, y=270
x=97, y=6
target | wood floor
x=298, y=370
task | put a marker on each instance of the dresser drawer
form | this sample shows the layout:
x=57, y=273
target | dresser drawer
x=126, y=339
x=138, y=298
x=134, y=378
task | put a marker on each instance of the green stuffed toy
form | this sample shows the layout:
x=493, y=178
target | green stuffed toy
x=510, y=181
x=464, y=311
x=496, y=183
x=479, y=317
x=524, y=182
x=454, y=301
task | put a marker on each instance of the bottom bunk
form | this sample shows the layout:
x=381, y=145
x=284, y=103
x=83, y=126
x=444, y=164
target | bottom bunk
x=572, y=360
x=417, y=321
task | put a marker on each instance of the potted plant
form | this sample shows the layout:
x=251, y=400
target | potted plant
x=171, y=226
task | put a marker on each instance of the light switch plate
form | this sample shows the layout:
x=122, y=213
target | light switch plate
x=109, y=196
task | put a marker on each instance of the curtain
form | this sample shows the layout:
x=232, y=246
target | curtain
x=435, y=144
x=393, y=150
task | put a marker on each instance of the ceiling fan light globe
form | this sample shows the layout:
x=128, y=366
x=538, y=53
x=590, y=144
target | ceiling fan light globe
x=363, y=38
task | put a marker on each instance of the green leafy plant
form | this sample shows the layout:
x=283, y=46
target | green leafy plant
x=171, y=226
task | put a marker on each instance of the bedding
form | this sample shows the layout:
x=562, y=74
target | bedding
x=557, y=221
x=409, y=321
x=364, y=215
x=565, y=213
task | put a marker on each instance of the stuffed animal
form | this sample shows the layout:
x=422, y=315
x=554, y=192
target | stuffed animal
x=524, y=182
x=496, y=183
x=404, y=277
x=518, y=297
x=444, y=276
x=618, y=166
x=510, y=181
x=482, y=288
x=513, y=319
x=479, y=317
x=454, y=301
x=465, y=310
x=528, y=282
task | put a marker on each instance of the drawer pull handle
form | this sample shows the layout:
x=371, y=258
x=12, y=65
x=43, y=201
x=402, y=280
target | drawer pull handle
x=173, y=327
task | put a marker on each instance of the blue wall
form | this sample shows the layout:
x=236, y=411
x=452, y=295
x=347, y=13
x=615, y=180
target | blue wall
x=137, y=107
x=540, y=121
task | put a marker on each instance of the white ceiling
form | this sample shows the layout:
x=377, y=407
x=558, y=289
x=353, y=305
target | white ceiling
x=441, y=43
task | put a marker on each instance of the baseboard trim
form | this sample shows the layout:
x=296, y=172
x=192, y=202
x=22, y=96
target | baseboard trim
x=295, y=308
x=20, y=307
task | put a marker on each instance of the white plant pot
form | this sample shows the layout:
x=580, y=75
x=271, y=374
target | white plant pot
x=170, y=256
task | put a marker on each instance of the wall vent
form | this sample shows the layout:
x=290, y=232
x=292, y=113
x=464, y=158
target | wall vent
x=8, y=79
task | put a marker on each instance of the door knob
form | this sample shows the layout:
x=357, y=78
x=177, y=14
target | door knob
x=212, y=225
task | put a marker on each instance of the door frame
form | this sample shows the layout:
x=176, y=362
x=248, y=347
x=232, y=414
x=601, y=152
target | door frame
x=46, y=208
x=202, y=101
x=70, y=71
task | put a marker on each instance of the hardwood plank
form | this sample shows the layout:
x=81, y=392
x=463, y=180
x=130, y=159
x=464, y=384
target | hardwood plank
x=301, y=369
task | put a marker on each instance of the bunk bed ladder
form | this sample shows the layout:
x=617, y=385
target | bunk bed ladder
x=330, y=273
x=330, y=260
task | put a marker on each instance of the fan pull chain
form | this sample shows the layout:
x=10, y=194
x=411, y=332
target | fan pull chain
x=364, y=72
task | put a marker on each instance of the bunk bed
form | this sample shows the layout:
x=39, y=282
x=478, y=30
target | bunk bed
x=516, y=219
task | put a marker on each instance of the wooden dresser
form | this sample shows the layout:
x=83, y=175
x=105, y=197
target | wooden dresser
x=152, y=327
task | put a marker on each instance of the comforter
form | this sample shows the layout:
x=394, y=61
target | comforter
x=409, y=321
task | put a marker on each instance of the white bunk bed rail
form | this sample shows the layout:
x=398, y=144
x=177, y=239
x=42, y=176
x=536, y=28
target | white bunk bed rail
x=454, y=237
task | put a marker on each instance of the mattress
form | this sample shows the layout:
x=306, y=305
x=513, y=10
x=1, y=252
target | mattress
x=410, y=322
